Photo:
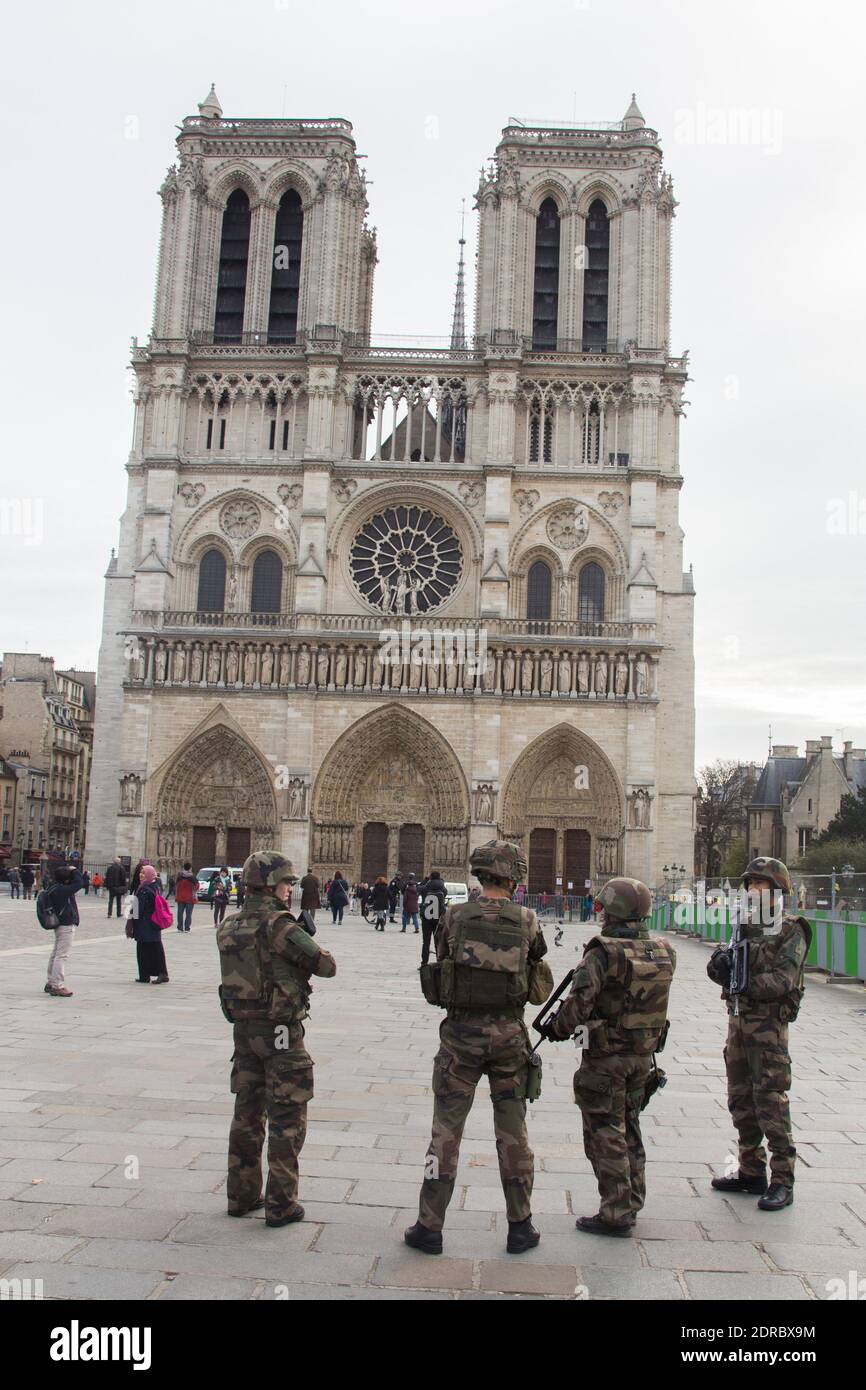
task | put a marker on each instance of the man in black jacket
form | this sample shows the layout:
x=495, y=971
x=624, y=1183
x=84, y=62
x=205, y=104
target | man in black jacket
x=432, y=910
x=115, y=881
x=61, y=899
x=395, y=888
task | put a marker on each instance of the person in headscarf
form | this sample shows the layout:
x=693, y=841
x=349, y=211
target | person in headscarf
x=148, y=937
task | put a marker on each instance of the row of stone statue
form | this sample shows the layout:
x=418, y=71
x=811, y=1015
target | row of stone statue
x=502, y=671
x=333, y=844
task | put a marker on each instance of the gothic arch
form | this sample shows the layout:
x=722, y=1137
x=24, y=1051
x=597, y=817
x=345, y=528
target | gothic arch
x=289, y=175
x=235, y=174
x=534, y=528
x=548, y=186
x=605, y=190
x=205, y=522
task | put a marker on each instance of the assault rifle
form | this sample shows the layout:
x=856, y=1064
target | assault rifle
x=555, y=996
x=533, y=1075
x=739, y=953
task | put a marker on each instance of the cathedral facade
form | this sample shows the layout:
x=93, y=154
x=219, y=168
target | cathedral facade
x=376, y=605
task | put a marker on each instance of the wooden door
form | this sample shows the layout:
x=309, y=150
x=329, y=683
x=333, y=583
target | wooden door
x=203, y=846
x=411, y=853
x=577, y=860
x=237, y=846
x=542, y=861
x=374, y=853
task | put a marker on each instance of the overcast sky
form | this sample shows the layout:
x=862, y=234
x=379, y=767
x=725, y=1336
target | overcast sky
x=760, y=109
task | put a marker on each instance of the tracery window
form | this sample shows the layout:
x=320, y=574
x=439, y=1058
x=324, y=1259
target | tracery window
x=286, y=269
x=212, y=582
x=595, y=278
x=232, y=276
x=545, y=303
x=267, y=583
x=590, y=594
x=538, y=588
x=406, y=560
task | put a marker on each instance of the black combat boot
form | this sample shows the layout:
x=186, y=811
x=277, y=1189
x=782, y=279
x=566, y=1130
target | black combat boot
x=596, y=1227
x=242, y=1211
x=422, y=1238
x=778, y=1196
x=296, y=1214
x=741, y=1183
x=522, y=1235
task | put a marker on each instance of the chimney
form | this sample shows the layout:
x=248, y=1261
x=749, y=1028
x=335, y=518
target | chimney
x=785, y=750
x=813, y=745
x=826, y=741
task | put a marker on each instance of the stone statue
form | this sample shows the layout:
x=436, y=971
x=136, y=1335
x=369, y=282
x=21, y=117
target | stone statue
x=640, y=809
x=296, y=799
x=451, y=672
x=434, y=671
x=340, y=670
x=232, y=664
x=563, y=598
x=601, y=675
x=250, y=666
x=160, y=663
x=508, y=673
x=267, y=675
x=399, y=592
x=377, y=671
x=396, y=675
x=197, y=663
x=232, y=595
x=564, y=680
x=414, y=675
x=359, y=667
x=284, y=665
x=526, y=675
x=583, y=674
x=489, y=674
x=129, y=794
x=178, y=670
x=322, y=664
x=641, y=676
x=621, y=676
x=546, y=674
x=213, y=665
x=303, y=673
x=468, y=675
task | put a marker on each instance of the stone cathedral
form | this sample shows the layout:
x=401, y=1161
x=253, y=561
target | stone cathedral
x=297, y=488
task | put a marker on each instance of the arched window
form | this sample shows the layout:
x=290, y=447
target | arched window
x=538, y=587
x=232, y=280
x=286, y=270
x=590, y=594
x=267, y=583
x=595, y=278
x=545, y=304
x=212, y=582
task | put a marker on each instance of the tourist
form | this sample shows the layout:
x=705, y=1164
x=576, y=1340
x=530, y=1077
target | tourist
x=410, y=904
x=136, y=875
x=185, y=888
x=148, y=937
x=395, y=888
x=432, y=910
x=14, y=883
x=115, y=881
x=364, y=898
x=85, y=878
x=379, y=901
x=60, y=899
x=28, y=878
x=97, y=883
x=338, y=897
x=219, y=892
x=310, y=899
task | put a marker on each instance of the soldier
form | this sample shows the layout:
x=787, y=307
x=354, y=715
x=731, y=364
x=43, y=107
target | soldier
x=757, y=1060
x=489, y=965
x=620, y=993
x=266, y=959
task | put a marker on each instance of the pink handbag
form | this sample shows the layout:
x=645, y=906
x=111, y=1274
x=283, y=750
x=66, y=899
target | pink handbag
x=162, y=913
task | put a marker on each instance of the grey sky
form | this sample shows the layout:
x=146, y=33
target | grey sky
x=768, y=275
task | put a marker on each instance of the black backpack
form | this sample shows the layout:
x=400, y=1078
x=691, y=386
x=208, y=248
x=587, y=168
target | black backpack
x=45, y=910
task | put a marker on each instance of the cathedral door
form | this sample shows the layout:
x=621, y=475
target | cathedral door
x=374, y=854
x=238, y=845
x=411, y=857
x=542, y=857
x=577, y=859
x=203, y=846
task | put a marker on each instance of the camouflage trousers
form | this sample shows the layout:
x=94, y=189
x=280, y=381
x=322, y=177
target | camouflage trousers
x=759, y=1076
x=499, y=1049
x=610, y=1092
x=273, y=1083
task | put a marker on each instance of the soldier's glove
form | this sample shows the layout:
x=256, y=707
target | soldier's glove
x=719, y=966
x=546, y=1030
x=306, y=921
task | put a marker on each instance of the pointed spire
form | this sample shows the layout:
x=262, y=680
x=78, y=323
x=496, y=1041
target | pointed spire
x=633, y=118
x=458, y=323
x=210, y=107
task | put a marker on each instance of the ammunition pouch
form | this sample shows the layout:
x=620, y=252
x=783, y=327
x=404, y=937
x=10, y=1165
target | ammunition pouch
x=430, y=977
x=654, y=1082
x=532, y=1089
x=719, y=966
x=663, y=1036
x=540, y=982
x=225, y=1010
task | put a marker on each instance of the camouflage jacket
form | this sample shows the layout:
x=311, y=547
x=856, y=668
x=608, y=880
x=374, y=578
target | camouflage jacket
x=266, y=960
x=598, y=980
x=776, y=963
x=530, y=972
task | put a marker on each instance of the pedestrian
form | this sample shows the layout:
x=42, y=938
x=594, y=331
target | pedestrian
x=364, y=898
x=395, y=888
x=150, y=951
x=219, y=892
x=97, y=883
x=432, y=910
x=542, y=907
x=338, y=897
x=115, y=882
x=60, y=899
x=185, y=888
x=621, y=986
x=85, y=878
x=586, y=908
x=520, y=896
x=136, y=875
x=493, y=950
x=310, y=898
x=266, y=961
x=14, y=883
x=379, y=900
x=757, y=1060
x=240, y=890
x=410, y=904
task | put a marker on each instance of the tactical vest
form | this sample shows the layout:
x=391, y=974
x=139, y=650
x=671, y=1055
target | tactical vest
x=255, y=983
x=488, y=967
x=762, y=953
x=630, y=1013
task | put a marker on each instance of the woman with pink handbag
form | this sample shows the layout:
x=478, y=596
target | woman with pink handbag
x=153, y=915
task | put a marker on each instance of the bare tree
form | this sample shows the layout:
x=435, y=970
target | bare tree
x=725, y=789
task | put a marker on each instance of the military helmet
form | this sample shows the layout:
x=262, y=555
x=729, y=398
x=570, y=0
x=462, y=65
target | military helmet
x=499, y=859
x=266, y=868
x=771, y=869
x=626, y=899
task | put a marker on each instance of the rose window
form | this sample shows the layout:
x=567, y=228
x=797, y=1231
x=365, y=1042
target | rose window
x=406, y=560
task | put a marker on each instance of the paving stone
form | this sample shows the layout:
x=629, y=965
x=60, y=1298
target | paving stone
x=411, y=1269
x=519, y=1276
x=30, y=1245
x=23, y=1216
x=367, y=1293
x=821, y=1259
x=704, y=1255
x=53, y=1171
x=283, y=1262
x=78, y=1281
x=191, y=1286
x=250, y=1233
x=123, y=1224
x=618, y=1284
x=745, y=1288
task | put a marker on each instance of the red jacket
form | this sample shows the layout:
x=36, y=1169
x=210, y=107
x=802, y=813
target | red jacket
x=185, y=887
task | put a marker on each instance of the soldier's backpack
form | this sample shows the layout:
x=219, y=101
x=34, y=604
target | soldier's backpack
x=46, y=913
x=487, y=969
x=632, y=1008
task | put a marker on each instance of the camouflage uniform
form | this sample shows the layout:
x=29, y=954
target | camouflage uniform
x=620, y=992
x=267, y=959
x=481, y=945
x=757, y=1060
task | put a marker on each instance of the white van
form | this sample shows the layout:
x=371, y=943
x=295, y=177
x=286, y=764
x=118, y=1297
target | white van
x=205, y=876
x=456, y=893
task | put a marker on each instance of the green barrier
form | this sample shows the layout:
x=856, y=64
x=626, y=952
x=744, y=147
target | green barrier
x=838, y=945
